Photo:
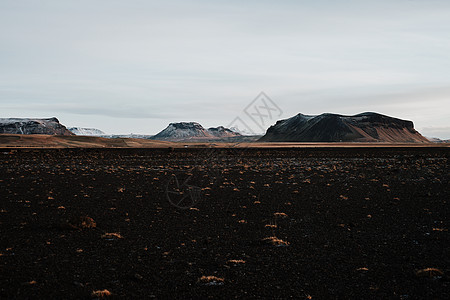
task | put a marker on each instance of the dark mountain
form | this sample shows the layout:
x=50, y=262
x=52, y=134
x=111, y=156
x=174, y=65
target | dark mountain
x=364, y=127
x=49, y=126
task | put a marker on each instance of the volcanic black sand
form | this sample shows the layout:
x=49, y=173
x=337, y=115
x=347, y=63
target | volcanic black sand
x=267, y=223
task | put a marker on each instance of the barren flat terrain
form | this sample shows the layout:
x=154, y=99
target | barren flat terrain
x=60, y=141
x=74, y=141
x=320, y=223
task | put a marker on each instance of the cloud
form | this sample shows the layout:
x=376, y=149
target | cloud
x=122, y=111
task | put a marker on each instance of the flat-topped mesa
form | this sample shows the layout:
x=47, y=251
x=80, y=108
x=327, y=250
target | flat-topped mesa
x=50, y=126
x=328, y=127
x=186, y=125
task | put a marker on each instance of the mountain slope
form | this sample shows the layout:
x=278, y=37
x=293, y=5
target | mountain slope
x=33, y=126
x=364, y=127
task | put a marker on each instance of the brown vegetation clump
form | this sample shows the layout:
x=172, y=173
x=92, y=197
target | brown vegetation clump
x=112, y=235
x=80, y=222
x=101, y=293
x=270, y=226
x=211, y=280
x=273, y=240
x=280, y=214
x=430, y=273
x=236, y=261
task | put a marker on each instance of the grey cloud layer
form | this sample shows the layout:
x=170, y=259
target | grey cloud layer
x=155, y=59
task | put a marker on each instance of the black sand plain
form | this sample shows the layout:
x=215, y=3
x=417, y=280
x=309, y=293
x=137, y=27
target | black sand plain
x=325, y=223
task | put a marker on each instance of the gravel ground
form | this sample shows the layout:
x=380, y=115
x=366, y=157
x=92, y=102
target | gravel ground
x=328, y=223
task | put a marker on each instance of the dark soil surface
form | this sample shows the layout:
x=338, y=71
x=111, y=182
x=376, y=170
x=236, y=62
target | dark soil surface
x=344, y=223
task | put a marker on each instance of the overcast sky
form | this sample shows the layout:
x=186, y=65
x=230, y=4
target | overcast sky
x=133, y=66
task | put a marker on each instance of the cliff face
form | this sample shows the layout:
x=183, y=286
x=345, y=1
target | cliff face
x=365, y=127
x=49, y=126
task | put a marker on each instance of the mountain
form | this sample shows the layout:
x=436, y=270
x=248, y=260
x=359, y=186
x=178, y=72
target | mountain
x=245, y=131
x=222, y=132
x=184, y=131
x=33, y=126
x=437, y=140
x=86, y=131
x=364, y=127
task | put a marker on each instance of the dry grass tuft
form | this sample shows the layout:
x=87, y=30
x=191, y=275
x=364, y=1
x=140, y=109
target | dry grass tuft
x=236, y=261
x=270, y=226
x=440, y=229
x=430, y=273
x=112, y=235
x=280, y=214
x=273, y=240
x=82, y=222
x=101, y=293
x=211, y=280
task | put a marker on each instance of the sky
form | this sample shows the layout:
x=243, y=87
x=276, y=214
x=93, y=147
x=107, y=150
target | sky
x=135, y=66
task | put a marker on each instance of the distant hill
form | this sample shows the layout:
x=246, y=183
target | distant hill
x=86, y=131
x=186, y=131
x=364, y=127
x=222, y=132
x=437, y=140
x=33, y=126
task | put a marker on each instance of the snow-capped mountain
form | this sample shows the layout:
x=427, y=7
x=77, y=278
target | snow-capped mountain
x=86, y=131
x=33, y=126
x=364, y=127
x=190, y=130
x=222, y=132
x=182, y=130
